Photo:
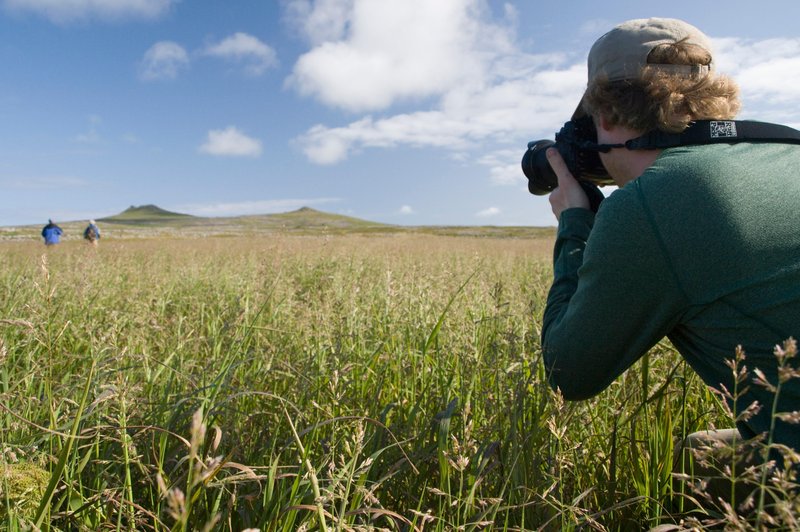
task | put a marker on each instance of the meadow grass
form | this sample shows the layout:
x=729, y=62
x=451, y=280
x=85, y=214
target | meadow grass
x=386, y=382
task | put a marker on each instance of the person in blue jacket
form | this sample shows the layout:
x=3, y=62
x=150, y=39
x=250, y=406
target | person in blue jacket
x=51, y=233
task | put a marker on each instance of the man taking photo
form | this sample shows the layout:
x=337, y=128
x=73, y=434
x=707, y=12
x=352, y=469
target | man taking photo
x=699, y=244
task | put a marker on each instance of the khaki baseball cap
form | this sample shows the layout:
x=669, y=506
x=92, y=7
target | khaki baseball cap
x=621, y=54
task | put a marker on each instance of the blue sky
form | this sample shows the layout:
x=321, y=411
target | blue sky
x=401, y=111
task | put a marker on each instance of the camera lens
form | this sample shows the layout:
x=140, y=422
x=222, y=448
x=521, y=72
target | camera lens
x=541, y=178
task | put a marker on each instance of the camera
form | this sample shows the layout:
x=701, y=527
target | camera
x=577, y=144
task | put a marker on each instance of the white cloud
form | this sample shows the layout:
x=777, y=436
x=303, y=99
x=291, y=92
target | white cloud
x=501, y=171
x=768, y=74
x=397, y=50
x=488, y=213
x=465, y=117
x=325, y=20
x=406, y=209
x=242, y=208
x=69, y=10
x=163, y=60
x=324, y=146
x=256, y=56
x=485, y=88
x=231, y=142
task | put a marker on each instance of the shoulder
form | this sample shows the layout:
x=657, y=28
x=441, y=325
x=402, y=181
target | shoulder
x=625, y=224
x=622, y=206
x=668, y=182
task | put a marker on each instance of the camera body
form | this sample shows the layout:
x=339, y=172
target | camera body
x=577, y=144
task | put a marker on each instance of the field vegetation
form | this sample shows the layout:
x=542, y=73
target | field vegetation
x=337, y=381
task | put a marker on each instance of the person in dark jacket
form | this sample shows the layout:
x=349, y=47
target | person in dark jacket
x=51, y=233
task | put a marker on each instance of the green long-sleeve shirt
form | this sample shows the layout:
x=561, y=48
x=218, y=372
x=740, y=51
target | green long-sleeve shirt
x=703, y=248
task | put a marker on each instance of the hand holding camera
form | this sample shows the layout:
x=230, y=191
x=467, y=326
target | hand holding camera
x=569, y=193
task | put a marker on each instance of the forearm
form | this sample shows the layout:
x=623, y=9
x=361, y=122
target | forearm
x=575, y=226
x=610, y=301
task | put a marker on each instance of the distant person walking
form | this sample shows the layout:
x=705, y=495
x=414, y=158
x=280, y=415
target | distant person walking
x=51, y=233
x=92, y=233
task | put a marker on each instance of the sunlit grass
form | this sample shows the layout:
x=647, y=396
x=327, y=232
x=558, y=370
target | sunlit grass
x=319, y=383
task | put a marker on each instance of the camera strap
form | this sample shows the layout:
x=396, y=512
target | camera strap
x=715, y=132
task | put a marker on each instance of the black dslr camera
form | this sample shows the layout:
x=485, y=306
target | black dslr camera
x=577, y=144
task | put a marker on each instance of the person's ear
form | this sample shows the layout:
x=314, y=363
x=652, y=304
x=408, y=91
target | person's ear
x=600, y=121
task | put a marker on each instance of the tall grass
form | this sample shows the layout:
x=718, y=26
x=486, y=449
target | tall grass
x=311, y=383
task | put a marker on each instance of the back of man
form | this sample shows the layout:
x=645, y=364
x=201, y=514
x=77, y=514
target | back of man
x=51, y=233
x=722, y=222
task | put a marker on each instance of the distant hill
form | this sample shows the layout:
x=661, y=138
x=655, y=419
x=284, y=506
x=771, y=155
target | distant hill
x=145, y=213
x=304, y=220
x=306, y=217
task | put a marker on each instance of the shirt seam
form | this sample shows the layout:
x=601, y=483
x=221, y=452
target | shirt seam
x=660, y=241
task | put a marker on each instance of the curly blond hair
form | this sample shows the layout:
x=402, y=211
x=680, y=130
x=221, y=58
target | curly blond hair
x=662, y=99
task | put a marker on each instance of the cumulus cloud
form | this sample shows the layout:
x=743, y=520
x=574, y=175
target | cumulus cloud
x=768, y=72
x=252, y=207
x=473, y=84
x=488, y=213
x=256, y=56
x=69, y=10
x=501, y=171
x=320, y=21
x=397, y=50
x=465, y=117
x=163, y=60
x=230, y=142
x=406, y=209
x=324, y=145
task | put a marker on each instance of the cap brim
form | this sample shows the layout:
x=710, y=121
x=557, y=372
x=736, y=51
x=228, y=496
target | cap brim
x=579, y=112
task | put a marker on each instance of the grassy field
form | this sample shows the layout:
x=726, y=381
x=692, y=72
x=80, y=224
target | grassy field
x=293, y=381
